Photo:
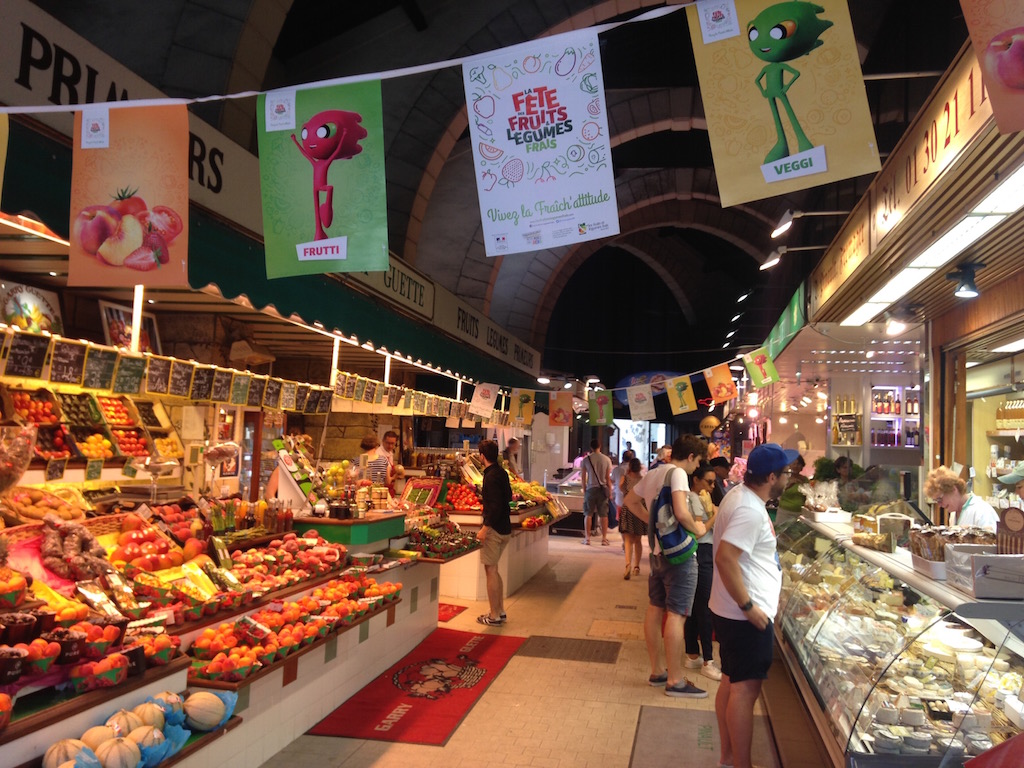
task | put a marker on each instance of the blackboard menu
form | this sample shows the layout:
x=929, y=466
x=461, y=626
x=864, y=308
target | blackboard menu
x=370, y=391
x=301, y=393
x=221, y=392
x=67, y=362
x=99, y=368
x=181, y=379
x=256, y=388
x=350, y=386
x=288, y=389
x=360, y=388
x=272, y=394
x=158, y=375
x=240, y=388
x=324, y=406
x=847, y=423
x=339, y=384
x=312, y=401
x=202, y=383
x=26, y=355
x=128, y=376
x=394, y=395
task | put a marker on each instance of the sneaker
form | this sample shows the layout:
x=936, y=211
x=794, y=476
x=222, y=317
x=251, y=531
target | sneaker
x=684, y=689
x=710, y=670
x=693, y=663
x=503, y=616
x=587, y=542
x=657, y=680
x=486, y=619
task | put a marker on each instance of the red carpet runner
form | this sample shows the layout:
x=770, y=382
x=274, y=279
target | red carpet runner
x=446, y=611
x=423, y=698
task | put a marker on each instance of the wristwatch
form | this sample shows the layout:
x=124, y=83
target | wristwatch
x=747, y=606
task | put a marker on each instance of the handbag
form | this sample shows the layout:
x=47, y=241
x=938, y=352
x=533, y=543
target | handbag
x=677, y=545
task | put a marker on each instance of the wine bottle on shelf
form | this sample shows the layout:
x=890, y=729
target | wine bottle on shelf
x=896, y=405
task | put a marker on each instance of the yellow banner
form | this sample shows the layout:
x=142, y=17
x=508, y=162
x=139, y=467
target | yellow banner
x=784, y=100
x=560, y=409
x=680, y=395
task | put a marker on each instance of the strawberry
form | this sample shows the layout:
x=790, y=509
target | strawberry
x=154, y=240
x=143, y=259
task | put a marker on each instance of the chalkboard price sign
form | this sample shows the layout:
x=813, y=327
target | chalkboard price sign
x=26, y=355
x=369, y=391
x=256, y=388
x=324, y=406
x=181, y=379
x=288, y=393
x=94, y=467
x=360, y=388
x=272, y=394
x=312, y=401
x=67, y=362
x=158, y=375
x=99, y=368
x=240, y=388
x=221, y=386
x=55, y=469
x=202, y=383
x=128, y=376
x=301, y=393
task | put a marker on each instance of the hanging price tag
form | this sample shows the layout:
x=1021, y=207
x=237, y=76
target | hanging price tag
x=93, y=469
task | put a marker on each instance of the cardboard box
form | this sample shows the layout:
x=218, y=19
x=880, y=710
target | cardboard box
x=977, y=570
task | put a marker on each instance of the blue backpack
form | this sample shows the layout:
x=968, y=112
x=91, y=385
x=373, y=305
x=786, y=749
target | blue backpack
x=677, y=545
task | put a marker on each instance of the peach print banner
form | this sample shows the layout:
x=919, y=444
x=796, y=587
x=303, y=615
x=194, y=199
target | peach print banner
x=129, y=200
x=997, y=34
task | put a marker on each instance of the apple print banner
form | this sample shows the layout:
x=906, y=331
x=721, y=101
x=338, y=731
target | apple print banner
x=129, y=198
x=788, y=113
x=601, y=408
x=521, y=406
x=720, y=383
x=761, y=367
x=680, y=395
x=641, y=403
x=539, y=132
x=997, y=34
x=483, y=400
x=560, y=409
x=322, y=180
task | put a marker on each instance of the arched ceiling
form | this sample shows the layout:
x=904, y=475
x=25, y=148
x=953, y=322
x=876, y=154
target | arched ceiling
x=673, y=228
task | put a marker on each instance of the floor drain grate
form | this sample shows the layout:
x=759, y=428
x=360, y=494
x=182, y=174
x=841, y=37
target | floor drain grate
x=570, y=649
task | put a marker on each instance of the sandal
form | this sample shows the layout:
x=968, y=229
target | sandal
x=486, y=619
x=626, y=575
x=636, y=571
x=605, y=542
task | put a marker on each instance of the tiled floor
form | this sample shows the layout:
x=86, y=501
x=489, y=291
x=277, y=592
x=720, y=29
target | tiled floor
x=541, y=712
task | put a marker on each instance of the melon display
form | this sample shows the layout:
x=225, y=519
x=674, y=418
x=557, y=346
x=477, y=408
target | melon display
x=123, y=722
x=170, y=701
x=62, y=751
x=147, y=736
x=203, y=711
x=119, y=753
x=150, y=714
x=97, y=735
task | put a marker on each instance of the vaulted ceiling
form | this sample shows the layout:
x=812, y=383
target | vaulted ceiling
x=662, y=294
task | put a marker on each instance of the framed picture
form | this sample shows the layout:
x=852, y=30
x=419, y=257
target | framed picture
x=117, y=328
x=229, y=468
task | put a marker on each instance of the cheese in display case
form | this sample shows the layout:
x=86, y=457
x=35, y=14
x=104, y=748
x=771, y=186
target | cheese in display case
x=897, y=665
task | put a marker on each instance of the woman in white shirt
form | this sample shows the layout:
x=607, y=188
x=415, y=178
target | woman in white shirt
x=966, y=510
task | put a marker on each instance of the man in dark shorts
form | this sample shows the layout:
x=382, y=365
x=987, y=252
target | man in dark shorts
x=745, y=595
x=494, y=534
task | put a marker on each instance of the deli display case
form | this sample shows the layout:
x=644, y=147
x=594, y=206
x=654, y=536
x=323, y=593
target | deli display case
x=895, y=668
x=569, y=491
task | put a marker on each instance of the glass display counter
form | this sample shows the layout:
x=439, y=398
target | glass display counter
x=895, y=668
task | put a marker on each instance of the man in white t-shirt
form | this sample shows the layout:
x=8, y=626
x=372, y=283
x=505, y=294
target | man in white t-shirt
x=671, y=590
x=745, y=595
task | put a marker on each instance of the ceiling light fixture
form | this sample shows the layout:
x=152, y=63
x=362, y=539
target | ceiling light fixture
x=567, y=385
x=964, y=277
x=543, y=380
x=787, y=219
x=743, y=297
x=1013, y=346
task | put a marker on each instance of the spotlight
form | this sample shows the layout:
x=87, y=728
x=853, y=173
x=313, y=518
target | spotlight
x=964, y=277
x=543, y=380
x=567, y=385
x=787, y=219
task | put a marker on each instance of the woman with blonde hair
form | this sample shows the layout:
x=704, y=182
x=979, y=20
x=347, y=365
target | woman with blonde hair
x=947, y=489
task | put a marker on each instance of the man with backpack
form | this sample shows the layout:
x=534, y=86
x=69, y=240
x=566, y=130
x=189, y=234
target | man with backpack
x=662, y=499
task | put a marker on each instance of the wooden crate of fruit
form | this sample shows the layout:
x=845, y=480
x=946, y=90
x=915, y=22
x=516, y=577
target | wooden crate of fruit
x=117, y=411
x=167, y=446
x=79, y=410
x=152, y=415
x=34, y=406
x=23, y=504
x=93, y=442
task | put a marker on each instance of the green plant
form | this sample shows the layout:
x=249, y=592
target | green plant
x=825, y=469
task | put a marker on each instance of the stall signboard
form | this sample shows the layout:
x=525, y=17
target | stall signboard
x=680, y=395
x=322, y=179
x=28, y=308
x=140, y=156
x=521, y=406
x=641, y=402
x=720, y=383
x=997, y=29
x=484, y=397
x=789, y=113
x=600, y=405
x=760, y=368
x=539, y=131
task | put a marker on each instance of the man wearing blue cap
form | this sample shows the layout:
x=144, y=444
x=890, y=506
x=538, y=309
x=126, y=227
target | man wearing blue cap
x=745, y=595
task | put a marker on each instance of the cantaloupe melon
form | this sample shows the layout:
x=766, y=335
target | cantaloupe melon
x=203, y=711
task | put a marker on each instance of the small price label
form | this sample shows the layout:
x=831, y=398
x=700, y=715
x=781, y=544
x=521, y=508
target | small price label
x=129, y=469
x=55, y=469
x=93, y=469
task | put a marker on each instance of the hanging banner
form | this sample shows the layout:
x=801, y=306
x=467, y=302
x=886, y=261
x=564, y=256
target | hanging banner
x=680, y=395
x=641, y=403
x=760, y=367
x=539, y=131
x=788, y=112
x=30, y=309
x=601, y=409
x=322, y=180
x=129, y=197
x=720, y=383
x=560, y=409
x=997, y=34
x=483, y=400
x=521, y=406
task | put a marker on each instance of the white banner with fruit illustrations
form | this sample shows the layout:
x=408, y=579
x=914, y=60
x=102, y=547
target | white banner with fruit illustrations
x=541, y=155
